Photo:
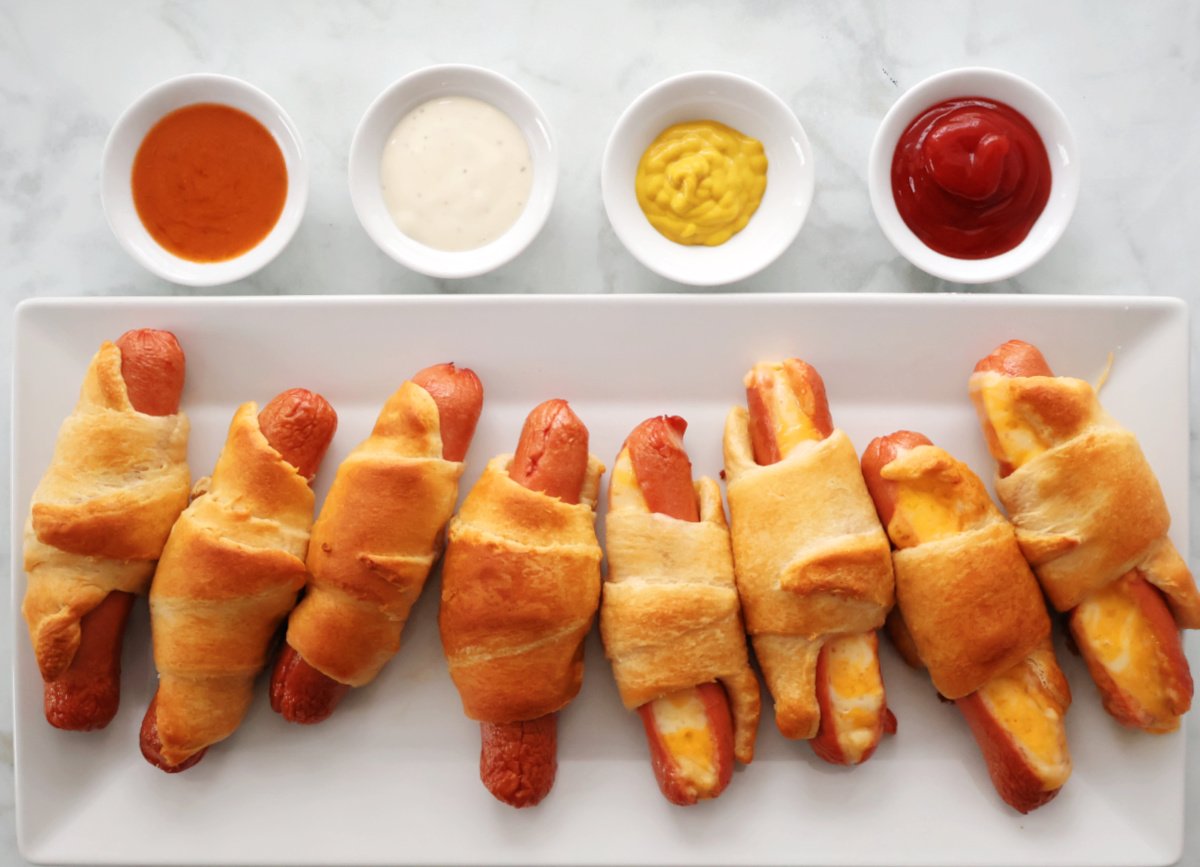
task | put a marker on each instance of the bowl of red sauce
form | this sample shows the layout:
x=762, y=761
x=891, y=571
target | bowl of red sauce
x=204, y=179
x=974, y=175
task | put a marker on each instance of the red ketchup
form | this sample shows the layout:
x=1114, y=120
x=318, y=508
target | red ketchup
x=970, y=177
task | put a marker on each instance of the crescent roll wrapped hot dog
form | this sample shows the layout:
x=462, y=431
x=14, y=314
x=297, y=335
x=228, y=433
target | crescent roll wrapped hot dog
x=670, y=617
x=378, y=536
x=520, y=587
x=973, y=612
x=230, y=574
x=814, y=568
x=1092, y=521
x=100, y=517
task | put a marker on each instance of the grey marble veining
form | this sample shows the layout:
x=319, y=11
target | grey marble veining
x=1127, y=76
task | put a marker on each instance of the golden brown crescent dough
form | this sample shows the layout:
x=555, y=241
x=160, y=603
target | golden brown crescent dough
x=1088, y=508
x=102, y=512
x=670, y=618
x=902, y=640
x=375, y=541
x=228, y=576
x=811, y=560
x=520, y=586
x=969, y=601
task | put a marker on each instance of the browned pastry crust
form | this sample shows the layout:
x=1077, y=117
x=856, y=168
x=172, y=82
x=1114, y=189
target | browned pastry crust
x=902, y=640
x=971, y=605
x=228, y=576
x=378, y=536
x=520, y=586
x=1088, y=508
x=101, y=513
x=670, y=618
x=812, y=560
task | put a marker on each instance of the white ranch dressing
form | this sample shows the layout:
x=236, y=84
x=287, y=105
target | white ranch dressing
x=456, y=173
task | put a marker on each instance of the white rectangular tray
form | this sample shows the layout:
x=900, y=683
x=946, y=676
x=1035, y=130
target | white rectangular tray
x=392, y=777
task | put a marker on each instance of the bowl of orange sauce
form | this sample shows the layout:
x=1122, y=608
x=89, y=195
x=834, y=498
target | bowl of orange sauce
x=204, y=179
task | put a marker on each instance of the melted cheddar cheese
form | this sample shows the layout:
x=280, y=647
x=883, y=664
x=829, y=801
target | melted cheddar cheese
x=1120, y=638
x=921, y=515
x=624, y=492
x=682, y=723
x=1017, y=442
x=1023, y=706
x=790, y=423
x=855, y=691
x=937, y=505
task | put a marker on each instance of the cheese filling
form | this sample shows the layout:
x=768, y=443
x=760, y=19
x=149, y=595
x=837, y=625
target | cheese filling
x=790, y=423
x=624, y=492
x=1120, y=638
x=1021, y=704
x=855, y=692
x=922, y=516
x=1017, y=442
x=682, y=723
x=937, y=505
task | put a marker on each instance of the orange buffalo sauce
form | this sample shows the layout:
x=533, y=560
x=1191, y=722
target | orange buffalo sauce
x=209, y=182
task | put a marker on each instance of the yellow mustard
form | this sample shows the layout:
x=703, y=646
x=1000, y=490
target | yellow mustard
x=700, y=182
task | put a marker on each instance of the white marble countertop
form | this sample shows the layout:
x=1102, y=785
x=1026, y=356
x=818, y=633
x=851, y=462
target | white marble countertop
x=1127, y=76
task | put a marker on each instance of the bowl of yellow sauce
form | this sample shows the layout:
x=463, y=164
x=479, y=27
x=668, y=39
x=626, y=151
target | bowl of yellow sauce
x=707, y=178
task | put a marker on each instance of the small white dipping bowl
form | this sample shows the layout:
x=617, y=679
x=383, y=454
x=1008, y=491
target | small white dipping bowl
x=1050, y=123
x=752, y=110
x=366, y=154
x=116, y=170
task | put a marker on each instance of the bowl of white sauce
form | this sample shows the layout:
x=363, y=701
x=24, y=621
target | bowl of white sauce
x=453, y=170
